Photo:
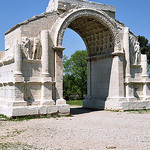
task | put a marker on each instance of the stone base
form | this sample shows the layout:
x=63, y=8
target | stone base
x=116, y=105
x=35, y=110
x=48, y=102
x=124, y=105
x=60, y=102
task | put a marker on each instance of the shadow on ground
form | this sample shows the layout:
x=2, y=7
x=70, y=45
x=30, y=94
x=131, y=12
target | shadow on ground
x=80, y=110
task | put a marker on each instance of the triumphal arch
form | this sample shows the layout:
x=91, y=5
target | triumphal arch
x=31, y=74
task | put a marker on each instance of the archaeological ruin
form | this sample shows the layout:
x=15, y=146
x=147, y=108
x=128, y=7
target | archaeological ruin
x=31, y=69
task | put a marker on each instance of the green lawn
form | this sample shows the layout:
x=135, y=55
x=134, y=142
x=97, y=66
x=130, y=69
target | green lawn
x=75, y=102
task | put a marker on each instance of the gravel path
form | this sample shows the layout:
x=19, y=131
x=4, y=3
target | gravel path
x=97, y=130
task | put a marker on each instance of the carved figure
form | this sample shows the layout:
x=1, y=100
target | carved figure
x=36, y=49
x=137, y=52
x=27, y=47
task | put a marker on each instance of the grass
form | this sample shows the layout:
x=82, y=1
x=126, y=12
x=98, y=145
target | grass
x=75, y=102
x=2, y=116
x=12, y=134
x=16, y=146
x=25, y=118
x=144, y=111
x=136, y=111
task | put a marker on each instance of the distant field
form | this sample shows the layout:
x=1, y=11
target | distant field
x=75, y=102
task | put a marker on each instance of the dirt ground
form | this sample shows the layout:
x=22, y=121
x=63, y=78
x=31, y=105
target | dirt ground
x=85, y=130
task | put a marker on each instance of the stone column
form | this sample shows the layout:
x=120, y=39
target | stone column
x=144, y=65
x=59, y=75
x=127, y=53
x=18, y=61
x=46, y=88
x=45, y=53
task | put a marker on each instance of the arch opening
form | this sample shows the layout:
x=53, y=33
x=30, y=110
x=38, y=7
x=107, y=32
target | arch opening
x=99, y=42
x=74, y=80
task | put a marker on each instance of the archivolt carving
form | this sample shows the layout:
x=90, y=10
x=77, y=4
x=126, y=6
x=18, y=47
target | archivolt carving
x=31, y=48
x=99, y=33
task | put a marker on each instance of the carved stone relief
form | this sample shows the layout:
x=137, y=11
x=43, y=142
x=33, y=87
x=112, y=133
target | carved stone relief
x=135, y=52
x=36, y=49
x=31, y=48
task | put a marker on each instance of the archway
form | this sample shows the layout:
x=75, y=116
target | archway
x=99, y=36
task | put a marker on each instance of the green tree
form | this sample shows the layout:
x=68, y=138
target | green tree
x=75, y=74
x=68, y=85
x=145, y=47
x=143, y=41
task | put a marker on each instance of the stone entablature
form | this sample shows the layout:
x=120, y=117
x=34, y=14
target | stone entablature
x=65, y=5
x=31, y=74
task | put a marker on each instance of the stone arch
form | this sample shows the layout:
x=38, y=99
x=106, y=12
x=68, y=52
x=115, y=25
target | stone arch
x=102, y=39
x=100, y=21
x=115, y=79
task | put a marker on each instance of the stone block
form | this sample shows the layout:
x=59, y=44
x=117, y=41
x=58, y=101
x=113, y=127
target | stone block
x=64, y=109
x=43, y=110
x=60, y=102
x=32, y=110
x=19, y=111
x=25, y=111
x=52, y=109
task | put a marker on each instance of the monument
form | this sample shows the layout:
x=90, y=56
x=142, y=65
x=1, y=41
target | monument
x=31, y=71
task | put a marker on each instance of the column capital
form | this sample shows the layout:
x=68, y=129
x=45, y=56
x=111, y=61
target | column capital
x=58, y=48
x=118, y=53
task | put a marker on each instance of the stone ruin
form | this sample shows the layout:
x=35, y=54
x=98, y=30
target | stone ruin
x=31, y=71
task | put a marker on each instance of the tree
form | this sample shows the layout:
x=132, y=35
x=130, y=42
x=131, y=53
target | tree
x=75, y=74
x=145, y=47
x=68, y=85
x=143, y=41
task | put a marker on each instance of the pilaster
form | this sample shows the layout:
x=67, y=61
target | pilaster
x=116, y=86
x=127, y=51
x=59, y=75
x=130, y=91
x=144, y=65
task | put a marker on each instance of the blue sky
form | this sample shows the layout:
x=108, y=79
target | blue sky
x=133, y=13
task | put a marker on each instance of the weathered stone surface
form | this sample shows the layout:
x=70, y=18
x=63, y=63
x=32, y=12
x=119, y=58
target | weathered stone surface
x=31, y=70
x=64, y=109
x=52, y=109
x=43, y=110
